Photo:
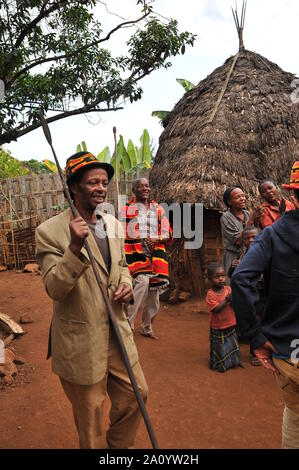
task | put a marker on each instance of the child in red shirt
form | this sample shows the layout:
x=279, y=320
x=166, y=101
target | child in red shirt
x=224, y=347
x=274, y=206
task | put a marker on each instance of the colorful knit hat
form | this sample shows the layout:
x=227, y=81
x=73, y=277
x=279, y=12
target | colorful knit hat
x=83, y=160
x=294, y=179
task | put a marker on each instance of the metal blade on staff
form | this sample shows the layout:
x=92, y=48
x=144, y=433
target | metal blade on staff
x=110, y=311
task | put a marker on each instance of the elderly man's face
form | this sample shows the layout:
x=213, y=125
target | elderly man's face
x=142, y=190
x=92, y=188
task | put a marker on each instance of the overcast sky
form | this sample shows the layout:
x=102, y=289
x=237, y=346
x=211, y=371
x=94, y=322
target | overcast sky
x=271, y=29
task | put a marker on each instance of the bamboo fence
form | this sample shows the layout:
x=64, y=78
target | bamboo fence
x=27, y=201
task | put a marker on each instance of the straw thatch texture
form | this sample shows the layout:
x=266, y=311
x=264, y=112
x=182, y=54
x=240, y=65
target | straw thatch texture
x=254, y=134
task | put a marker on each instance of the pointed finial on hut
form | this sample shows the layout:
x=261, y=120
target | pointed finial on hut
x=240, y=24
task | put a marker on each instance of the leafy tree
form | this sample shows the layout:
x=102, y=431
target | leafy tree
x=51, y=56
x=10, y=167
x=36, y=167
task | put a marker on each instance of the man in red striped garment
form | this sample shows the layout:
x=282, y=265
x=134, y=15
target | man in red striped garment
x=147, y=234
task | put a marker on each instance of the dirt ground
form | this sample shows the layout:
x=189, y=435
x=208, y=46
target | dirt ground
x=189, y=405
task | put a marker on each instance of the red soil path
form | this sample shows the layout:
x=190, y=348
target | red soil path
x=189, y=405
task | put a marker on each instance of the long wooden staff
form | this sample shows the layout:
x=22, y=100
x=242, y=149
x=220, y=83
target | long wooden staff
x=110, y=311
x=116, y=173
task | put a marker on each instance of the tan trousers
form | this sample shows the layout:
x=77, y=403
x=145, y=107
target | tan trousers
x=148, y=299
x=87, y=402
x=288, y=381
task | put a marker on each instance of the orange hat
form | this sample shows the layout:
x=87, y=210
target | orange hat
x=294, y=179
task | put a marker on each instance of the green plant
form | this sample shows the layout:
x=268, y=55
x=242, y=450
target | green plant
x=162, y=115
x=52, y=57
x=10, y=167
x=36, y=167
x=129, y=158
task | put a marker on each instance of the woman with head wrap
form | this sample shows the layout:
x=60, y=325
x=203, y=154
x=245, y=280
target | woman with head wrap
x=233, y=222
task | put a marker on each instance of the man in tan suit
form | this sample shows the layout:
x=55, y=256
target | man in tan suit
x=85, y=353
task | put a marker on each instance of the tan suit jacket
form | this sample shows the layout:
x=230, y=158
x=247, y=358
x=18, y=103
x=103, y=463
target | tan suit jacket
x=80, y=326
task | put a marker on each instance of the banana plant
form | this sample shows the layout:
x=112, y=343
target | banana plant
x=129, y=158
x=162, y=115
x=185, y=84
x=81, y=147
x=144, y=154
x=52, y=166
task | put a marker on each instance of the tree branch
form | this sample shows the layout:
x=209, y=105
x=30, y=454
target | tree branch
x=43, y=14
x=15, y=133
x=111, y=12
x=74, y=52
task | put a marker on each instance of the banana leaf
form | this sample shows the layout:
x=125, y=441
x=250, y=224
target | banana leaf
x=185, y=84
x=160, y=114
x=144, y=154
x=132, y=152
x=104, y=156
x=123, y=160
x=81, y=147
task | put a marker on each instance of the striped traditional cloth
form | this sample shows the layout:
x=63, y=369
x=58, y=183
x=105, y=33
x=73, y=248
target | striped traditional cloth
x=139, y=263
x=224, y=349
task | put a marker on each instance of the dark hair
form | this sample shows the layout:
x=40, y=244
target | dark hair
x=212, y=268
x=227, y=193
x=250, y=229
x=268, y=180
x=76, y=178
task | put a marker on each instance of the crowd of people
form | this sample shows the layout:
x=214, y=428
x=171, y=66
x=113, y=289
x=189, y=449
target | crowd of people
x=253, y=294
x=239, y=228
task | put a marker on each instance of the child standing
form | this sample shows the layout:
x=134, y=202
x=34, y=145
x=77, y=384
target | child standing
x=224, y=347
x=249, y=235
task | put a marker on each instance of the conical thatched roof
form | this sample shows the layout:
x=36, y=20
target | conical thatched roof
x=253, y=133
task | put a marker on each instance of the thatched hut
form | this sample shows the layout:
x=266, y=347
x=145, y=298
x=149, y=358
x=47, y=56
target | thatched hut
x=239, y=125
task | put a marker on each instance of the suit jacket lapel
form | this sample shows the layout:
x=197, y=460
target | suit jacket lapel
x=110, y=229
x=95, y=251
x=94, y=248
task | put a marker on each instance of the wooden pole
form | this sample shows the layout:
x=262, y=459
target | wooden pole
x=3, y=246
x=33, y=205
x=14, y=211
x=12, y=231
x=5, y=221
x=116, y=173
x=18, y=259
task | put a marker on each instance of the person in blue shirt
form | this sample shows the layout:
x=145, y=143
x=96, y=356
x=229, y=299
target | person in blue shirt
x=275, y=338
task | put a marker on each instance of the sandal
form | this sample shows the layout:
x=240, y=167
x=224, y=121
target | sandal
x=149, y=335
x=254, y=361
